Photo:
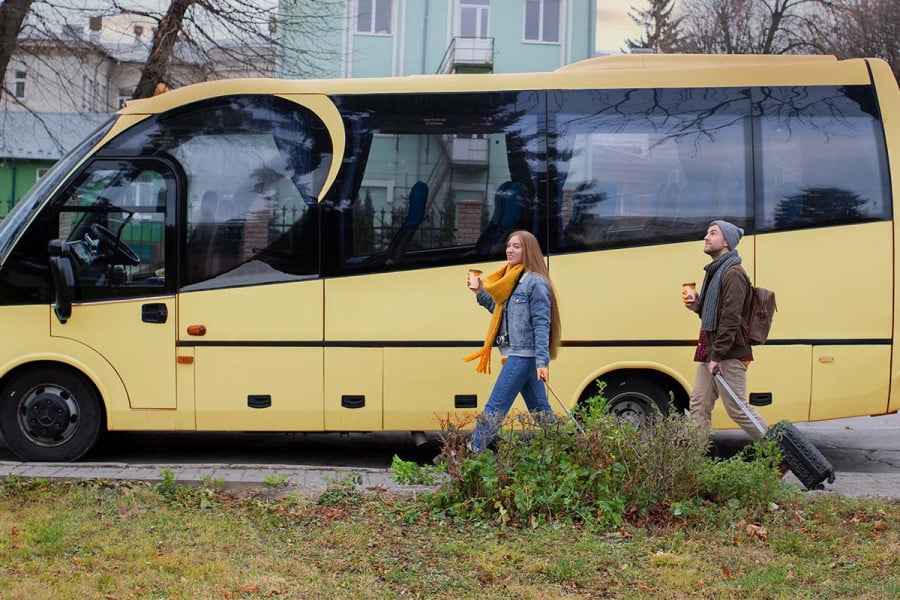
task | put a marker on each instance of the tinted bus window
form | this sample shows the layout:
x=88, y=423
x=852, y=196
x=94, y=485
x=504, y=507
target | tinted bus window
x=821, y=157
x=113, y=221
x=648, y=166
x=253, y=166
x=437, y=178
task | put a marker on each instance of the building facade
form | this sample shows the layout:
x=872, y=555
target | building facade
x=392, y=38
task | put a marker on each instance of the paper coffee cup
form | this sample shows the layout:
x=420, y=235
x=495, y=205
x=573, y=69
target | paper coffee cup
x=474, y=277
x=688, y=291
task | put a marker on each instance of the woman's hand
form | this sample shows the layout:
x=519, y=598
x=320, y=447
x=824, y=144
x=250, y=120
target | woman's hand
x=543, y=374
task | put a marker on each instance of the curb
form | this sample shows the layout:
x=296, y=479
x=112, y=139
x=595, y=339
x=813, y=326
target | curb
x=245, y=478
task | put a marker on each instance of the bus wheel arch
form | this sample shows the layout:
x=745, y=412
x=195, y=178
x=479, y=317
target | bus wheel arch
x=50, y=412
x=635, y=394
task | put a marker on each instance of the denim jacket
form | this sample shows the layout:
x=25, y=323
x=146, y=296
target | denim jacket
x=528, y=316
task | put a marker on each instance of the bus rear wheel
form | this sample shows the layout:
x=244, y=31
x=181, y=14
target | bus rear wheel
x=635, y=399
x=49, y=414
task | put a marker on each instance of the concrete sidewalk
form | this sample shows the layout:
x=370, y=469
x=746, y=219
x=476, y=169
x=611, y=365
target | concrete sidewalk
x=283, y=479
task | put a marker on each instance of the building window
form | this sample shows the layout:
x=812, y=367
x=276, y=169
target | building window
x=19, y=84
x=373, y=16
x=542, y=20
x=473, y=18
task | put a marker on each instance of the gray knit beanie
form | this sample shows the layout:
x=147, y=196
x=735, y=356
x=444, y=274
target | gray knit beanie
x=731, y=233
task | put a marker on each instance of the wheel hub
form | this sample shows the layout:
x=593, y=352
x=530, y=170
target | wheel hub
x=49, y=415
x=631, y=412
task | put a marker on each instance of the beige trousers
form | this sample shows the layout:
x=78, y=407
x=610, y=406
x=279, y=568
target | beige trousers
x=707, y=389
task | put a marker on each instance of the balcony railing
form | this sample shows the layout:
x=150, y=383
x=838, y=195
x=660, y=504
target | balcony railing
x=468, y=54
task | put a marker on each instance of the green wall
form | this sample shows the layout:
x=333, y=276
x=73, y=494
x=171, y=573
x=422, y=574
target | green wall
x=16, y=178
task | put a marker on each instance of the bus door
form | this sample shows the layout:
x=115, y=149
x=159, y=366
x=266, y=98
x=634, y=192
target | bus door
x=109, y=260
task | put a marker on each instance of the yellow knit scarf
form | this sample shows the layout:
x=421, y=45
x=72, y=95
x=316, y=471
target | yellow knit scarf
x=500, y=286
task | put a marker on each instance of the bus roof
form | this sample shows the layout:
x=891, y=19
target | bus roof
x=616, y=71
x=666, y=61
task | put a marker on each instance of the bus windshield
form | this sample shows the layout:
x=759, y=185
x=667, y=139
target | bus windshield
x=12, y=227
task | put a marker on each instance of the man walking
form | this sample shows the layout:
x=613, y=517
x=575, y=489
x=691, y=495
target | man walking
x=723, y=306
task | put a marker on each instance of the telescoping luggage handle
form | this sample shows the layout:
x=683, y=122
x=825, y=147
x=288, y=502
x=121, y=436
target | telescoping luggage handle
x=574, y=420
x=718, y=375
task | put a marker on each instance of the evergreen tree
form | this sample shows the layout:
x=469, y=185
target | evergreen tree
x=660, y=28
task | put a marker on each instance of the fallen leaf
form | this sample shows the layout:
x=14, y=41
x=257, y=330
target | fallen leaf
x=726, y=573
x=790, y=575
x=878, y=526
x=645, y=587
x=226, y=594
x=758, y=532
x=15, y=531
x=250, y=589
x=701, y=583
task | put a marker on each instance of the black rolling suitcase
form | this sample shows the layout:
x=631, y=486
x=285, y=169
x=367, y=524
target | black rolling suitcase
x=801, y=456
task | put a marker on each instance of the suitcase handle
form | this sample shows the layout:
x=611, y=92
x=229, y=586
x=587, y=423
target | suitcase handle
x=718, y=375
x=574, y=420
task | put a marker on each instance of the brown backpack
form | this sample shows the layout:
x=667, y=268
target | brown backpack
x=762, y=311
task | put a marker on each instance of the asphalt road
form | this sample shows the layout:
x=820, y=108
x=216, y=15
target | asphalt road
x=865, y=451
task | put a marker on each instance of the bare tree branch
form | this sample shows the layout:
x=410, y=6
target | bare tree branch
x=12, y=16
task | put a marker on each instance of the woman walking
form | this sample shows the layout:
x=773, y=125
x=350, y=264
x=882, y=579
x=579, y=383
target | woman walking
x=525, y=326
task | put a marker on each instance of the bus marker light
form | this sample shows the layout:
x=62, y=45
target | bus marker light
x=196, y=329
x=185, y=360
x=826, y=359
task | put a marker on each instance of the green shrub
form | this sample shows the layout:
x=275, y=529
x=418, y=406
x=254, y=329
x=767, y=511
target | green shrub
x=611, y=473
x=750, y=477
x=341, y=490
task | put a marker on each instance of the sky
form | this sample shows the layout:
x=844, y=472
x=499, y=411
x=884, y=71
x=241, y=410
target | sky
x=614, y=26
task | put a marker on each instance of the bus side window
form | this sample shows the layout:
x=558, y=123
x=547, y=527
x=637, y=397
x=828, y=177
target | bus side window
x=463, y=147
x=112, y=222
x=820, y=157
x=657, y=156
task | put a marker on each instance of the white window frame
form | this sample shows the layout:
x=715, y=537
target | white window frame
x=482, y=19
x=40, y=172
x=542, y=22
x=375, y=5
x=19, y=83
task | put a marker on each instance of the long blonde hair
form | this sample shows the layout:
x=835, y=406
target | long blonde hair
x=533, y=260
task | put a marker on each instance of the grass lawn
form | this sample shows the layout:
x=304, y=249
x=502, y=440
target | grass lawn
x=136, y=541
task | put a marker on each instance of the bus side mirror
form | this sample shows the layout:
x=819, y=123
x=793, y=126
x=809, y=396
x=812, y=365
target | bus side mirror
x=63, y=276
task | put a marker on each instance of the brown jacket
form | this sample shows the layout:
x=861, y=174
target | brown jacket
x=729, y=340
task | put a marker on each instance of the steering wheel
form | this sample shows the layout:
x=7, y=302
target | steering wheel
x=116, y=251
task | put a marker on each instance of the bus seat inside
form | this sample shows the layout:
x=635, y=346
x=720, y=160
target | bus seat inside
x=418, y=199
x=593, y=210
x=508, y=204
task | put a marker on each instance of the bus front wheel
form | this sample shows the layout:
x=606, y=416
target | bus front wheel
x=635, y=399
x=49, y=414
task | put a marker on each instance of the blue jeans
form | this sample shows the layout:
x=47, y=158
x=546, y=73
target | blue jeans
x=519, y=374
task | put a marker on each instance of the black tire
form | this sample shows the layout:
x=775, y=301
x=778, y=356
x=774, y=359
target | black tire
x=49, y=414
x=635, y=399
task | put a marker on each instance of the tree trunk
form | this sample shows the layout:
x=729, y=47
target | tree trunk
x=154, y=72
x=12, y=15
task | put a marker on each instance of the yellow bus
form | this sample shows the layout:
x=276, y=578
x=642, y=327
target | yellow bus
x=277, y=255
